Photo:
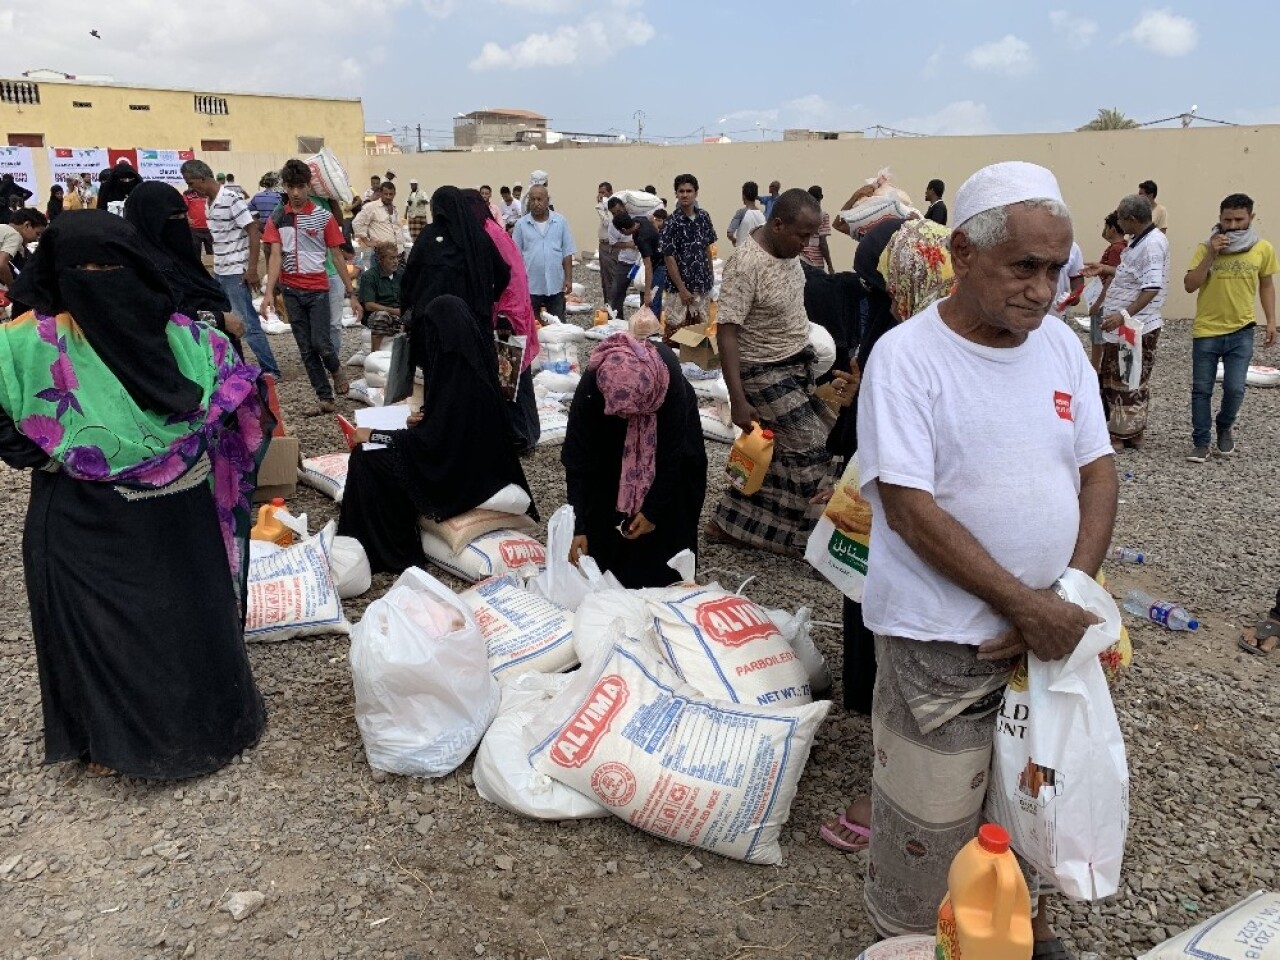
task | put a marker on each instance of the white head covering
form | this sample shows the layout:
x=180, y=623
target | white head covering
x=1002, y=184
x=538, y=179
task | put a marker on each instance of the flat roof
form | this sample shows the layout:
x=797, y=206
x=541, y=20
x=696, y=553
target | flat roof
x=500, y=112
x=75, y=81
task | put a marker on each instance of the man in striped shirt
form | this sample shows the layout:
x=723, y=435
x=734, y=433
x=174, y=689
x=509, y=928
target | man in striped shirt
x=235, y=236
x=301, y=234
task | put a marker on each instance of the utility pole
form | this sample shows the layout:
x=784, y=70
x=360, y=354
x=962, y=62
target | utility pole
x=419, y=138
x=639, y=118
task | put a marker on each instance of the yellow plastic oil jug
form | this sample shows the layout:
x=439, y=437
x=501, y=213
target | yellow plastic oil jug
x=749, y=460
x=986, y=914
x=269, y=527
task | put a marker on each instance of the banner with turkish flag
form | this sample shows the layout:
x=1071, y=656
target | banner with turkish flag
x=164, y=165
x=67, y=163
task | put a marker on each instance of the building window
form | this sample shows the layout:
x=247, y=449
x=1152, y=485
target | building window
x=214, y=106
x=139, y=106
x=26, y=139
x=310, y=144
x=19, y=91
x=215, y=146
x=81, y=104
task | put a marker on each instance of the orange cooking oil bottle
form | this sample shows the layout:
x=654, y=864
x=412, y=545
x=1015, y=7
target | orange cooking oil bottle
x=269, y=527
x=749, y=460
x=986, y=914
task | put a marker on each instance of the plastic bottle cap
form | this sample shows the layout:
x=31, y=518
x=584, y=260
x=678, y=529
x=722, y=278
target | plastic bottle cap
x=1193, y=624
x=993, y=838
x=278, y=502
x=767, y=434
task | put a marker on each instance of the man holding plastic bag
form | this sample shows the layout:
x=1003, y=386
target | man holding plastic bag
x=985, y=457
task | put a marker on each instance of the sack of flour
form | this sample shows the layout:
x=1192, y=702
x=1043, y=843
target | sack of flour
x=1248, y=931
x=725, y=646
x=1059, y=775
x=521, y=630
x=491, y=555
x=423, y=692
x=326, y=473
x=671, y=762
x=291, y=592
x=502, y=771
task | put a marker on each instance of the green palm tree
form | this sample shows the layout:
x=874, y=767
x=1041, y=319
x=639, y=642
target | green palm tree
x=1109, y=118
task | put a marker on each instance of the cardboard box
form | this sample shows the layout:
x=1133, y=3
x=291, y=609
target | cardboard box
x=698, y=346
x=278, y=475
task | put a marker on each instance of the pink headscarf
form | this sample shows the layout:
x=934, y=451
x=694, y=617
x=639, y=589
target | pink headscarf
x=633, y=379
x=514, y=301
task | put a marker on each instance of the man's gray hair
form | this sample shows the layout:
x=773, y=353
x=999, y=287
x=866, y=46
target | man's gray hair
x=1134, y=207
x=990, y=228
x=197, y=170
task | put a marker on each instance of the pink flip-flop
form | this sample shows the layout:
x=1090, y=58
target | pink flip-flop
x=843, y=845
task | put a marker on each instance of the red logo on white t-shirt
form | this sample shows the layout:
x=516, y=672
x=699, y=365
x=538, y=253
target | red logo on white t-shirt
x=1062, y=404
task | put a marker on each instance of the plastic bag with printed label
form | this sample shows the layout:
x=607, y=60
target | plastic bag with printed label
x=1059, y=774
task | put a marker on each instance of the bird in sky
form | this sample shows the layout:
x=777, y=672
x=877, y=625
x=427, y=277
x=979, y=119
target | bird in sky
x=95, y=33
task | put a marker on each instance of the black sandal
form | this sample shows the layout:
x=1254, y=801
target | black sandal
x=1266, y=630
x=1050, y=950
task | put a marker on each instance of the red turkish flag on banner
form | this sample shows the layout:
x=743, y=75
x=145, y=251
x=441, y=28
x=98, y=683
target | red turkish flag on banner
x=185, y=155
x=63, y=152
x=130, y=155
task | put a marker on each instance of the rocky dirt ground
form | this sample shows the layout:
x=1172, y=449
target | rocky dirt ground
x=348, y=866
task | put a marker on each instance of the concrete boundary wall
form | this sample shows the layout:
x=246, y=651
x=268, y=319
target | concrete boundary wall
x=1194, y=168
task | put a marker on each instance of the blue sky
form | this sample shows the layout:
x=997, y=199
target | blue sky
x=589, y=65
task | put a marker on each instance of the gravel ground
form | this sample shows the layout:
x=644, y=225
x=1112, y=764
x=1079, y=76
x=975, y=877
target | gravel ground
x=404, y=868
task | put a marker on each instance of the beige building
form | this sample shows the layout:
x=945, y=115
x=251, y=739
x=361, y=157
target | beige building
x=44, y=108
x=498, y=127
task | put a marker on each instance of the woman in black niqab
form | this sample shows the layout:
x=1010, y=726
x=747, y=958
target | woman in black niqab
x=159, y=214
x=124, y=311
x=121, y=181
x=452, y=256
x=451, y=461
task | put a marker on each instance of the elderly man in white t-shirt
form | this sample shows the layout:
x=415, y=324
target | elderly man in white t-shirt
x=984, y=453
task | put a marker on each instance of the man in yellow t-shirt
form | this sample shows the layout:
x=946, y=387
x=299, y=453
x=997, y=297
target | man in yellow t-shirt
x=1227, y=273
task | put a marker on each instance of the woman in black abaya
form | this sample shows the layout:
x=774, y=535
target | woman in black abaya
x=158, y=212
x=143, y=433
x=453, y=456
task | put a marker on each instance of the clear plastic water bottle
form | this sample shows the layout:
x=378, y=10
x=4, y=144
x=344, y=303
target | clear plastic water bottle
x=558, y=357
x=1125, y=554
x=1170, y=615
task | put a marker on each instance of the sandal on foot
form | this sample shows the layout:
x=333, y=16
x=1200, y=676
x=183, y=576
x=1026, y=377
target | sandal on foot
x=1255, y=639
x=840, y=843
x=99, y=770
x=1050, y=950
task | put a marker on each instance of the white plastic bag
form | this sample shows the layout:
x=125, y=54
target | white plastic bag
x=424, y=695
x=1059, y=776
x=502, y=771
x=510, y=499
x=562, y=582
x=840, y=545
x=349, y=564
x=1130, y=334
x=797, y=629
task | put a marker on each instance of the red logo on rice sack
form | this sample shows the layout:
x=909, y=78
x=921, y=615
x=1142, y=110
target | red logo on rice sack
x=517, y=553
x=1062, y=405
x=579, y=737
x=733, y=621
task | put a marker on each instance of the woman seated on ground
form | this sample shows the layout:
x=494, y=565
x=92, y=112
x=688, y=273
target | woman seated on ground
x=159, y=214
x=635, y=463
x=144, y=432
x=914, y=270
x=453, y=456
x=515, y=306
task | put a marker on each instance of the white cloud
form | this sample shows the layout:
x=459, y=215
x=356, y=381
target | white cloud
x=439, y=9
x=1009, y=55
x=960, y=118
x=595, y=40
x=813, y=111
x=1165, y=32
x=1076, y=30
x=180, y=44
x=542, y=6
